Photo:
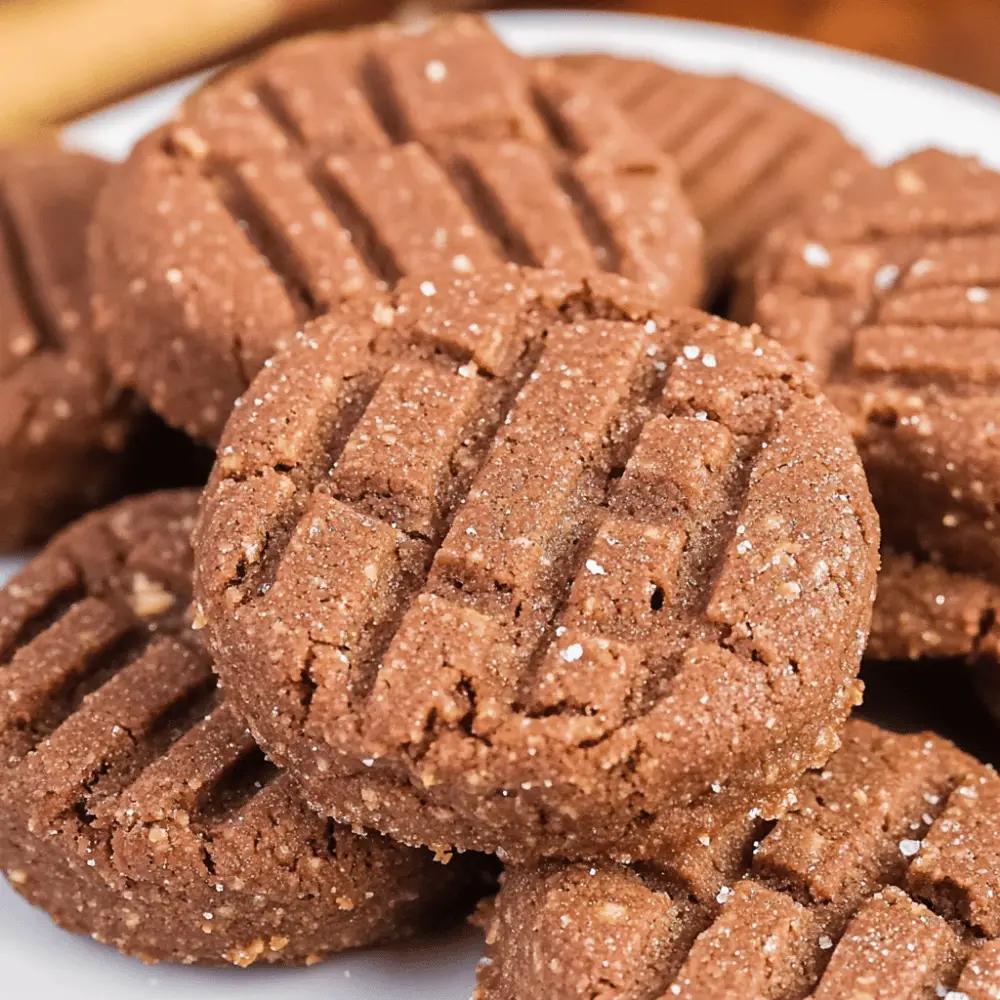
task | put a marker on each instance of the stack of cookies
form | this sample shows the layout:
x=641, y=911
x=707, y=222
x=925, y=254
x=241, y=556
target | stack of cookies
x=509, y=555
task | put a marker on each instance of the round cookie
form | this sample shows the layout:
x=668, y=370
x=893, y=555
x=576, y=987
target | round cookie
x=525, y=563
x=135, y=806
x=885, y=287
x=880, y=881
x=748, y=156
x=63, y=424
x=332, y=166
x=985, y=675
x=924, y=611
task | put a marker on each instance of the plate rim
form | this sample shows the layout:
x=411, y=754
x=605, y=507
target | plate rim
x=734, y=34
x=964, y=118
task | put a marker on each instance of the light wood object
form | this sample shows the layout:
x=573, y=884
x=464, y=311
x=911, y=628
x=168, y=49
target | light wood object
x=59, y=58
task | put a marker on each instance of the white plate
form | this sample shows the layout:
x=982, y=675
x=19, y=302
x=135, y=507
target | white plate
x=887, y=109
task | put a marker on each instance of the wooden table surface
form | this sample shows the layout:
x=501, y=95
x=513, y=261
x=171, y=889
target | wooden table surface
x=958, y=38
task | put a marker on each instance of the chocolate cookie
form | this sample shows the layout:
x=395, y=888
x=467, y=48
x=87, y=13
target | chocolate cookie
x=924, y=611
x=135, y=806
x=748, y=156
x=881, y=881
x=525, y=563
x=334, y=165
x=885, y=288
x=63, y=424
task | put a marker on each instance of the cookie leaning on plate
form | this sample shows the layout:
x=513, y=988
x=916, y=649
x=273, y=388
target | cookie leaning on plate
x=63, y=423
x=926, y=611
x=888, y=288
x=880, y=881
x=135, y=806
x=748, y=156
x=527, y=563
x=336, y=164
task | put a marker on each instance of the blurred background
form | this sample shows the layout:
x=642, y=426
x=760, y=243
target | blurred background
x=60, y=58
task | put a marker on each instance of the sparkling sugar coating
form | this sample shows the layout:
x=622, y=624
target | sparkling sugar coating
x=825, y=903
x=748, y=156
x=135, y=806
x=902, y=327
x=592, y=595
x=332, y=166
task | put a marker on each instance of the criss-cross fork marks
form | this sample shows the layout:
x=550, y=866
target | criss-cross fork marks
x=442, y=436
x=747, y=156
x=881, y=881
x=882, y=873
x=892, y=281
x=112, y=735
x=322, y=161
x=914, y=311
x=541, y=536
x=523, y=525
x=891, y=289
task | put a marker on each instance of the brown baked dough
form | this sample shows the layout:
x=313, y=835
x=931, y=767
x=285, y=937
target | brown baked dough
x=748, y=156
x=887, y=287
x=63, y=424
x=135, y=806
x=880, y=882
x=333, y=165
x=526, y=563
x=926, y=612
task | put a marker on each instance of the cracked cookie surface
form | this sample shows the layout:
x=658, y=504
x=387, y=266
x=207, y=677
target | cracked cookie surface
x=136, y=807
x=748, y=156
x=887, y=287
x=332, y=166
x=527, y=563
x=880, y=881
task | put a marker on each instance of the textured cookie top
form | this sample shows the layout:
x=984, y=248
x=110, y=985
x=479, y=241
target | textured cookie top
x=334, y=165
x=886, y=287
x=748, y=156
x=46, y=199
x=48, y=377
x=58, y=401
x=117, y=748
x=551, y=554
x=881, y=881
x=925, y=610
